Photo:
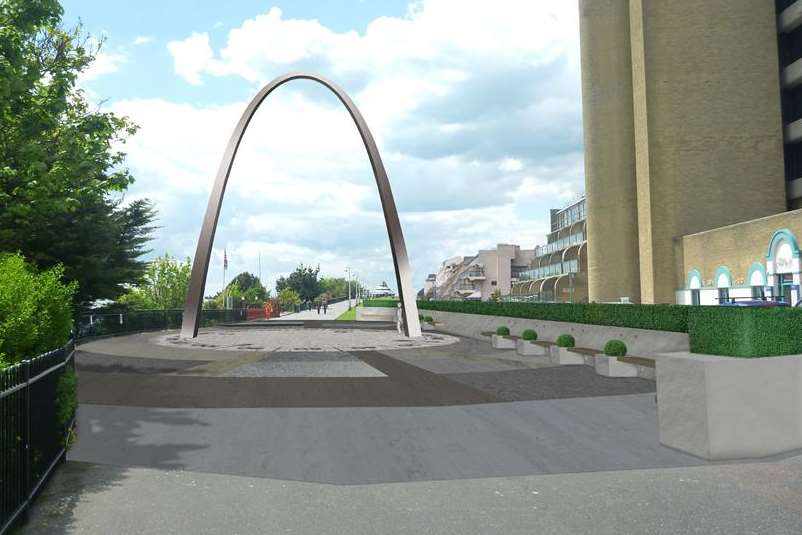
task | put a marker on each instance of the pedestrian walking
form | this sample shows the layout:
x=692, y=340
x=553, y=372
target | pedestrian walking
x=325, y=306
x=318, y=307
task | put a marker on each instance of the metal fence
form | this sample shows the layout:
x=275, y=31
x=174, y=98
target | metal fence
x=32, y=441
x=110, y=323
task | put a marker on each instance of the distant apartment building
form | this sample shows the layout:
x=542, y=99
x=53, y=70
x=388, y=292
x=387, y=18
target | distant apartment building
x=477, y=277
x=558, y=271
x=693, y=149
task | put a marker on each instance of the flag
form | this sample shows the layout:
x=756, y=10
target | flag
x=225, y=259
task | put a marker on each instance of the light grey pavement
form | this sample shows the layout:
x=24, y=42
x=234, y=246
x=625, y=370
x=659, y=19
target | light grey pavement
x=763, y=499
x=333, y=312
x=356, y=445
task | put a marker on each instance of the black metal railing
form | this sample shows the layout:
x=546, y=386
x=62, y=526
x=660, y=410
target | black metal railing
x=33, y=439
x=132, y=321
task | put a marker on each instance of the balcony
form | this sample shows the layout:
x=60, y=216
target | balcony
x=476, y=274
x=464, y=288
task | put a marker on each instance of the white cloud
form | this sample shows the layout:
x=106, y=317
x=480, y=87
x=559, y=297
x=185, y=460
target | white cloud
x=510, y=165
x=104, y=63
x=142, y=39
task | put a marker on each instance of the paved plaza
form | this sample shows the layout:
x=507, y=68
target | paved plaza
x=246, y=430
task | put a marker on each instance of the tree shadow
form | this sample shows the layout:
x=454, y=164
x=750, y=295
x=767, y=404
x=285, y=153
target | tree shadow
x=107, y=448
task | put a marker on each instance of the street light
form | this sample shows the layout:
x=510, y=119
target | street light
x=348, y=270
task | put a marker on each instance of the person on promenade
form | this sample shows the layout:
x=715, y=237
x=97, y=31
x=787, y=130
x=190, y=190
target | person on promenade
x=318, y=307
x=325, y=306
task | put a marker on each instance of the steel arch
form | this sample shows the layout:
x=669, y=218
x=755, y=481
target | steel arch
x=200, y=265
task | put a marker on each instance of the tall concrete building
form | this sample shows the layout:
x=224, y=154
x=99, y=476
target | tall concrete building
x=693, y=161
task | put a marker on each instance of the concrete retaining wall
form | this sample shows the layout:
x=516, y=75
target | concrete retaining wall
x=640, y=342
x=376, y=314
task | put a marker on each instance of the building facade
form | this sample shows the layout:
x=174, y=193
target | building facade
x=558, y=271
x=693, y=148
x=478, y=277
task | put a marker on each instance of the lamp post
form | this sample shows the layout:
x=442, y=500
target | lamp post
x=348, y=270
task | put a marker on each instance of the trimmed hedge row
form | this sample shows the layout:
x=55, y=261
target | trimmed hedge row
x=655, y=317
x=745, y=332
x=381, y=303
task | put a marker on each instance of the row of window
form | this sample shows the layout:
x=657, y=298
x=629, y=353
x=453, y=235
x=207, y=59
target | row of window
x=568, y=216
x=562, y=243
x=559, y=268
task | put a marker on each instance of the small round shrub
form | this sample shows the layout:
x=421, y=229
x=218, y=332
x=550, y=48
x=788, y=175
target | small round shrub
x=615, y=348
x=529, y=334
x=503, y=331
x=566, y=340
x=429, y=320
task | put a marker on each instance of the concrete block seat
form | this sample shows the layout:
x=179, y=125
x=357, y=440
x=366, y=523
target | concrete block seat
x=567, y=355
x=503, y=342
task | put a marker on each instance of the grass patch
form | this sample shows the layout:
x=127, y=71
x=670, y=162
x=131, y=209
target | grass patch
x=348, y=315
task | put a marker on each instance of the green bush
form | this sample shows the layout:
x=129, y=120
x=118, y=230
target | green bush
x=745, y=331
x=566, y=340
x=657, y=317
x=503, y=331
x=66, y=398
x=35, y=309
x=429, y=320
x=529, y=334
x=381, y=303
x=615, y=348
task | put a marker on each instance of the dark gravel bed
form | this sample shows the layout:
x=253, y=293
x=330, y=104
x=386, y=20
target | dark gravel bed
x=558, y=382
x=101, y=363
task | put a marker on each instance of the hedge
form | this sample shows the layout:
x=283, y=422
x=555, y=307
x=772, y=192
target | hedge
x=744, y=331
x=381, y=303
x=655, y=317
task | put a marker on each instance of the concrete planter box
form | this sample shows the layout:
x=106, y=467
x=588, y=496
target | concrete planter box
x=503, y=342
x=376, y=314
x=562, y=355
x=728, y=408
x=612, y=367
x=528, y=348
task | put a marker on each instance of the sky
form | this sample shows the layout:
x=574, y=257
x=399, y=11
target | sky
x=475, y=107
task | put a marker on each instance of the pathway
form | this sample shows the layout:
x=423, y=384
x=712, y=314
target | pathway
x=334, y=311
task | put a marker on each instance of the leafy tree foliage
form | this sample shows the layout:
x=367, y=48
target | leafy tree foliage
x=35, y=309
x=59, y=161
x=288, y=297
x=304, y=280
x=336, y=287
x=163, y=287
x=245, y=285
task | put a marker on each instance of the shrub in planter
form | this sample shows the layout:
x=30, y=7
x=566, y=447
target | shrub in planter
x=429, y=320
x=503, y=331
x=615, y=348
x=566, y=340
x=529, y=334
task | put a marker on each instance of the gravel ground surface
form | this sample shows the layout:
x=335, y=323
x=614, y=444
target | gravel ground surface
x=554, y=382
x=312, y=364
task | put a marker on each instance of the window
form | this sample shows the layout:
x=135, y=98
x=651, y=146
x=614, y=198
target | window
x=695, y=297
x=758, y=292
x=723, y=295
x=492, y=283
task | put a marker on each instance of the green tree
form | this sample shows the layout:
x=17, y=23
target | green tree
x=288, y=297
x=245, y=285
x=35, y=309
x=304, y=280
x=59, y=161
x=163, y=287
